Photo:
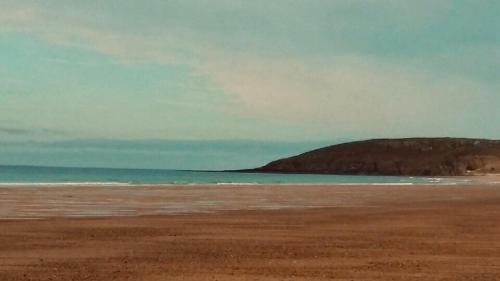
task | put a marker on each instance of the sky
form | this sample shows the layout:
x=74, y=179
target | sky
x=151, y=154
x=274, y=71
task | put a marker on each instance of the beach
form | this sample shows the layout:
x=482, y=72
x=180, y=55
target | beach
x=250, y=232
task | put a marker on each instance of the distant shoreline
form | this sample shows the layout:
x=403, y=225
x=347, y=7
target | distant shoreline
x=32, y=175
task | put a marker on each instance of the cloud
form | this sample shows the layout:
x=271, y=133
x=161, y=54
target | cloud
x=14, y=131
x=171, y=30
x=358, y=67
x=355, y=93
x=21, y=132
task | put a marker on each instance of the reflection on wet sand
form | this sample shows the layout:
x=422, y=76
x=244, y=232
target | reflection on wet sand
x=25, y=202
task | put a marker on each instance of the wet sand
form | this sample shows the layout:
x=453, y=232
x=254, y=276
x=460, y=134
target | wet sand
x=250, y=233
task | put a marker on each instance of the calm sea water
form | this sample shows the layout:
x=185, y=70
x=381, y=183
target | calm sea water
x=58, y=175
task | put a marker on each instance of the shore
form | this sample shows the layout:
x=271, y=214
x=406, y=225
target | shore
x=262, y=232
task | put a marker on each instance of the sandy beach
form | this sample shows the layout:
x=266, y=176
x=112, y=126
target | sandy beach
x=292, y=232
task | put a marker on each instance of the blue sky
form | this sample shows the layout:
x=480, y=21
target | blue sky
x=277, y=70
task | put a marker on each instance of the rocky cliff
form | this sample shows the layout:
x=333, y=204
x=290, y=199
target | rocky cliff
x=412, y=157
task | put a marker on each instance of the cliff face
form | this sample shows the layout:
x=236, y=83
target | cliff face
x=412, y=157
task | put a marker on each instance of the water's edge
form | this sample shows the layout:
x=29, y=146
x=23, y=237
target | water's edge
x=33, y=175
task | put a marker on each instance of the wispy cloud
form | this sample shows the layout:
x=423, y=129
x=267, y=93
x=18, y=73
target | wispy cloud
x=357, y=94
x=14, y=131
x=364, y=67
x=8, y=131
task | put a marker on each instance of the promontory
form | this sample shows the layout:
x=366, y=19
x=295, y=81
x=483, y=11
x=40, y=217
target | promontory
x=399, y=157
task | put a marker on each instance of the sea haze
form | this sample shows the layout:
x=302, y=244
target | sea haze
x=151, y=154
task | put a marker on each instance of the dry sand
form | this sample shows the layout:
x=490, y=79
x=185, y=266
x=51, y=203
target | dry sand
x=250, y=233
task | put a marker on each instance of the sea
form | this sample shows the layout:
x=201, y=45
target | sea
x=35, y=175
